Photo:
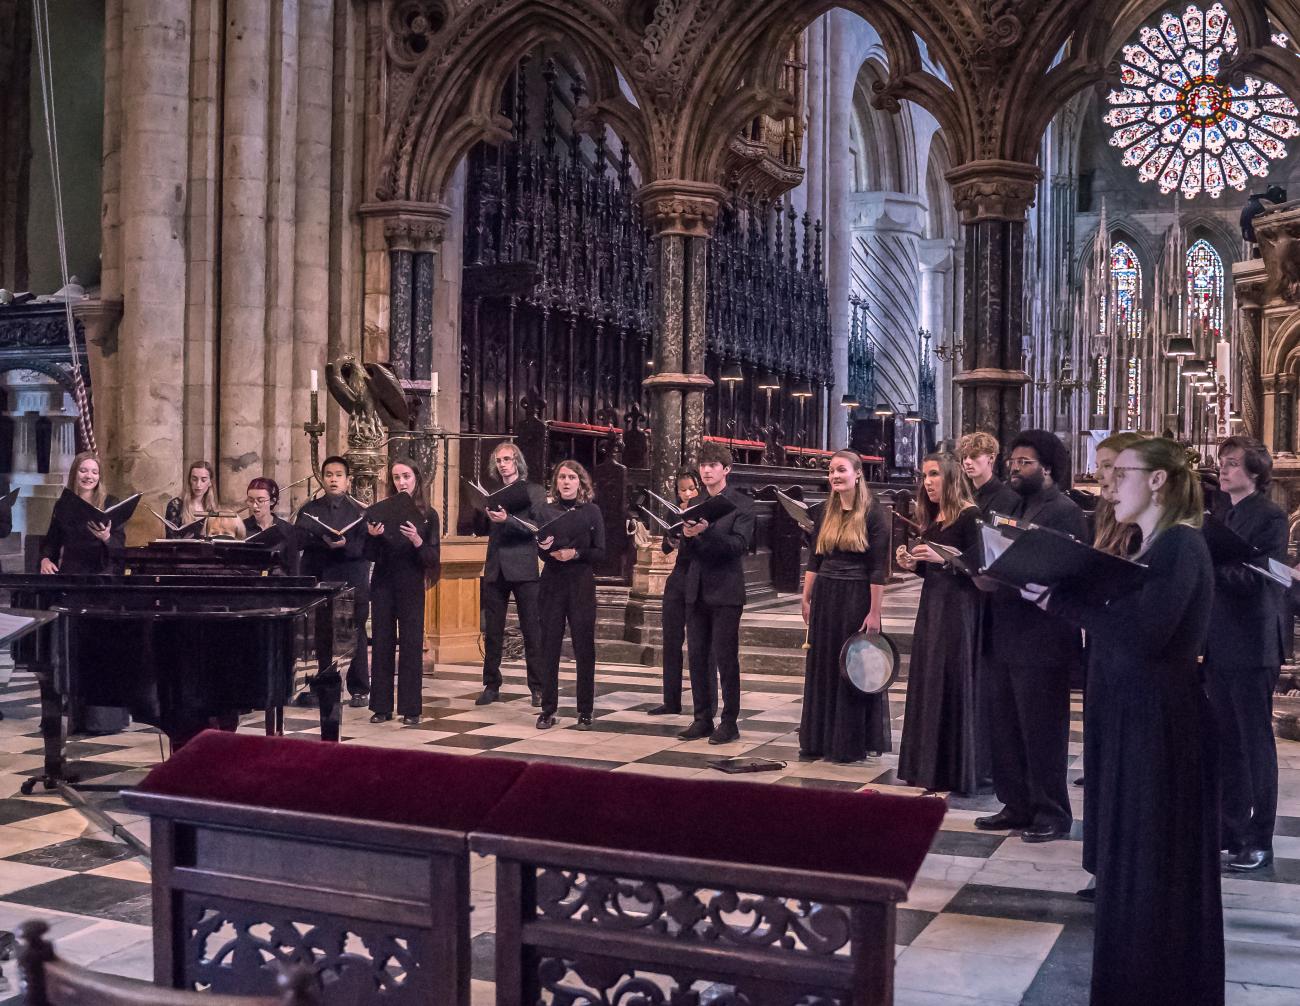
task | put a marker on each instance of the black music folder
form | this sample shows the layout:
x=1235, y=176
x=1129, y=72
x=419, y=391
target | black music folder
x=710, y=508
x=115, y=516
x=8, y=500
x=513, y=498
x=194, y=529
x=394, y=511
x=268, y=537
x=313, y=524
x=563, y=527
x=1228, y=548
x=802, y=513
x=1046, y=557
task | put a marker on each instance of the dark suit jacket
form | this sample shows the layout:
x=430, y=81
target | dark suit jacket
x=1022, y=633
x=512, y=550
x=995, y=496
x=716, y=573
x=1246, y=620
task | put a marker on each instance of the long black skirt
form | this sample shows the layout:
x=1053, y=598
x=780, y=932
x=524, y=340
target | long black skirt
x=942, y=746
x=839, y=722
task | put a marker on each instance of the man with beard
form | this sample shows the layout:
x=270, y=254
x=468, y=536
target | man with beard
x=1030, y=656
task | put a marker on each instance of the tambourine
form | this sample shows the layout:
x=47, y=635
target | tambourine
x=869, y=662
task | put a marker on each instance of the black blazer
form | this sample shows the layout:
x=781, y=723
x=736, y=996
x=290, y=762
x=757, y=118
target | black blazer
x=716, y=574
x=1246, y=620
x=334, y=565
x=1022, y=633
x=995, y=496
x=401, y=564
x=512, y=550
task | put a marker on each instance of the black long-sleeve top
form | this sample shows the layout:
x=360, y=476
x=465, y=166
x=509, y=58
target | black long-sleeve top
x=1246, y=628
x=962, y=532
x=334, y=565
x=286, y=549
x=400, y=561
x=589, y=541
x=995, y=496
x=70, y=545
x=841, y=564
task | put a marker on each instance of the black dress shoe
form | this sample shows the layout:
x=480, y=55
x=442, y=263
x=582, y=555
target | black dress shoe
x=1003, y=820
x=725, y=734
x=1250, y=859
x=360, y=700
x=1044, y=833
x=487, y=697
x=698, y=729
x=545, y=721
x=535, y=700
x=410, y=721
x=381, y=717
x=584, y=723
x=664, y=710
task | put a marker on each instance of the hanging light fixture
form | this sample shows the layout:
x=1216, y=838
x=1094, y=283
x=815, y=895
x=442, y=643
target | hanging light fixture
x=732, y=372
x=884, y=409
x=849, y=401
x=1180, y=346
x=1195, y=367
x=768, y=381
x=802, y=388
x=912, y=416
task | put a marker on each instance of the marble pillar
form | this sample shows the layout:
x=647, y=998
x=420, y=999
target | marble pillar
x=681, y=215
x=841, y=72
x=145, y=454
x=935, y=261
x=993, y=197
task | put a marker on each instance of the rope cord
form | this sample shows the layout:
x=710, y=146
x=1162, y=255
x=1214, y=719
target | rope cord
x=41, y=19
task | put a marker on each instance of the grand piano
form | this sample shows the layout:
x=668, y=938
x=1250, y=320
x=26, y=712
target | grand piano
x=180, y=649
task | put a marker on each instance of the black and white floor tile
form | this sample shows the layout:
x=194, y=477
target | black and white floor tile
x=990, y=919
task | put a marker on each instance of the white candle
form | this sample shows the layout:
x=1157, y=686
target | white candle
x=313, y=382
x=1223, y=358
x=433, y=385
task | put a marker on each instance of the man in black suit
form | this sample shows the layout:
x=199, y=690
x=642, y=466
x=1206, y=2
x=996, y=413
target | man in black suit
x=511, y=568
x=328, y=557
x=978, y=454
x=1031, y=655
x=1243, y=656
x=715, y=598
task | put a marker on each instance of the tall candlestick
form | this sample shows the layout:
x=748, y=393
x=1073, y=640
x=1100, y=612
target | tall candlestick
x=313, y=382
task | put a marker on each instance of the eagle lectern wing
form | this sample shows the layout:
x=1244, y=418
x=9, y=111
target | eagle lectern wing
x=390, y=401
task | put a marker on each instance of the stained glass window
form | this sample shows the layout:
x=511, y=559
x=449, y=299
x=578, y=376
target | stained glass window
x=1179, y=123
x=1121, y=314
x=1205, y=290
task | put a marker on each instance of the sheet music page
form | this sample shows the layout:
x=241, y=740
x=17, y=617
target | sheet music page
x=994, y=544
x=11, y=625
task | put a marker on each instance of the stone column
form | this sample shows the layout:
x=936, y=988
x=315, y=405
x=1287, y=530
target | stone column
x=935, y=261
x=841, y=77
x=681, y=215
x=992, y=197
x=242, y=375
x=155, y=51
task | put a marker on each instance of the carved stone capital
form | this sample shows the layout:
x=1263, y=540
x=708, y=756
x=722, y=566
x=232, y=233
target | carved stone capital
x=688, y=209
x=1249, y=278
x=409, y=226
x=1278, y=234
x=993, y=190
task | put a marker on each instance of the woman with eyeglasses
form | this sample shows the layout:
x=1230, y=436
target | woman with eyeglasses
x=674, y=605
x=1152, y=786
x=260, y=500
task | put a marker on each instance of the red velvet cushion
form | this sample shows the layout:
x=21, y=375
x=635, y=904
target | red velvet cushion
x=345, y=780
x=862, y=834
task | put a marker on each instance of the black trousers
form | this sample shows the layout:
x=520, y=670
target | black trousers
x=1027, y=710
x=397, y=614
x=1242, y=699
x=713, y=640
x=674, y=629
x=358, y=679
x=494, y=595
x=568, y=596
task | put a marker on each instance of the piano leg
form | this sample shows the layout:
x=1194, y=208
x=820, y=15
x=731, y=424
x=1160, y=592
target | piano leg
x=51, y=731
x=328, y=689
x=275, y=722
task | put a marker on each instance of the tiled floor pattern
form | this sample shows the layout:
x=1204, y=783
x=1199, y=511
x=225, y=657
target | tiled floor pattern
x=990, y=920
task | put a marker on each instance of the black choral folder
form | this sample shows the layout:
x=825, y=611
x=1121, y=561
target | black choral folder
x=563, y=527
x=1049, y=558
x=394, y=511
x=513, y=498
x=802, y=513
x=115, y=516
x=710, y=508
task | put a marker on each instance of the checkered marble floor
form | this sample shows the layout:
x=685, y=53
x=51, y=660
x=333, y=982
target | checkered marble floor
x=989, y=920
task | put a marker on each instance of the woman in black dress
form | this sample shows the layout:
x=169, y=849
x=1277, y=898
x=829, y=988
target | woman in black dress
x=674, y=618
x=199, y=498
x=843, y=589
x=397, y=583
x=942, y=746
x=74, y=545
x=261, y=498
x=1152, y=786
x=568, y=590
